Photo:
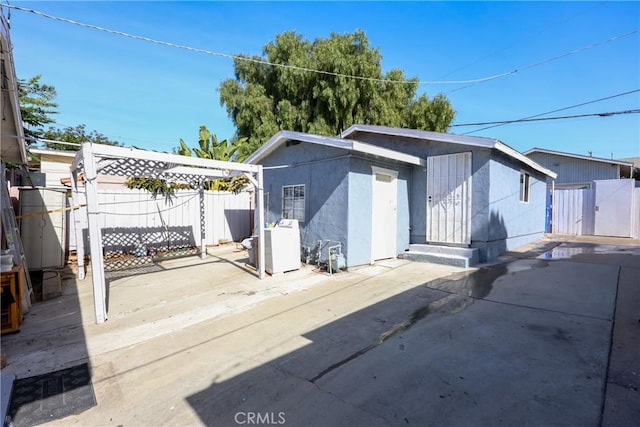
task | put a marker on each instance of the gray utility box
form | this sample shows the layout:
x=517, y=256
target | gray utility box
x=43, y=227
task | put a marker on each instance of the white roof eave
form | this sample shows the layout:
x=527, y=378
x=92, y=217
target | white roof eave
x=346, y=144
x=500, y=146
x=452, y=139
x=17, y=152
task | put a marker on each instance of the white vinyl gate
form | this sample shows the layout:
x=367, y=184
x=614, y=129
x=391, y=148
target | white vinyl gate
x=572, y=211
x=609, y=208
x=613, y=207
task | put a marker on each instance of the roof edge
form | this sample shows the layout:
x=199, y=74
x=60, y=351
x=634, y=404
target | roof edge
x=331, y=141
x=501, y=146
x=576, y=156
x=450, y=138
x=479, y=141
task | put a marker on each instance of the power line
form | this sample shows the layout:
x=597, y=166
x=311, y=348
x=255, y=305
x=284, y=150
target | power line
x=539, y=31
x=544, y=61
x=506, y=122
x=545, y=113
x=293, y=67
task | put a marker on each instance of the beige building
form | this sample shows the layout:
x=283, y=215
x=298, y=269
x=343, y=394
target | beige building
x=55, y=167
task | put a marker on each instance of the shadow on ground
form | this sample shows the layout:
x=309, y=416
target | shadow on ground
x=482, y=348
x=50, y=344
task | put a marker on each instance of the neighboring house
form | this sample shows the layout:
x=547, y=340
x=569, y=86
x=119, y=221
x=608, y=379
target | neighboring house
x=593, y=195
x=54, y=165
x=378, y=190
x=578, y=171
x=636, y=167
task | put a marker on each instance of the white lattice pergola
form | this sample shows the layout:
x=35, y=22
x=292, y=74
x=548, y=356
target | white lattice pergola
x=94, y=159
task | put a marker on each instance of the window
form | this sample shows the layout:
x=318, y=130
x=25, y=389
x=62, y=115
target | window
x=524, y=187
x=293, y=202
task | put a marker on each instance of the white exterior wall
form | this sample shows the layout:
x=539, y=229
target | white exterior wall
x=54, y=171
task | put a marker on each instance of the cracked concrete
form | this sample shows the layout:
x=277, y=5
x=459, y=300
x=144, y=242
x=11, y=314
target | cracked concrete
x=528, y=342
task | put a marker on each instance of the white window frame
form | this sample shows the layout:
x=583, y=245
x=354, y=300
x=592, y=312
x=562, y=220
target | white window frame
x=298, y=213
x=525, y=187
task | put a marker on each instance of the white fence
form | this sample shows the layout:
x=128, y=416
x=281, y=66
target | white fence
x=609, y=208
x=573, y=211
x=635, y=214
x=132, y=216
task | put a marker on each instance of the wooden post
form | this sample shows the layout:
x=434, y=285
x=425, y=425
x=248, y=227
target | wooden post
x=95, y=234
x=203, y=237
x=260, y=221
x=77, y=224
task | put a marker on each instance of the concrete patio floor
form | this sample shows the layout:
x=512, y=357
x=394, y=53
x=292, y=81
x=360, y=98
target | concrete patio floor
x=530, y=340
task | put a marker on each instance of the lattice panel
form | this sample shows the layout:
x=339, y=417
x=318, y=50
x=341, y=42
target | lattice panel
x=145, y=169
x=131, y=240
x=145, y=263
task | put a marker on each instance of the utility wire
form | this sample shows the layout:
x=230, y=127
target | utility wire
x=545, y=113
x=506, y=122
x=512, y=45
x=544, y=61
x=293, y=67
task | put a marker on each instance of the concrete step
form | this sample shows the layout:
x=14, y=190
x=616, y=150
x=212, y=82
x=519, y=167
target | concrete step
x=446, y=255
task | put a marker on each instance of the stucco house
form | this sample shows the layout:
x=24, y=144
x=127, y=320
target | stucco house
x=383, y=191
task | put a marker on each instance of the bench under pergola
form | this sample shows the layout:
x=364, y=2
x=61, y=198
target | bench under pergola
x=93, y=159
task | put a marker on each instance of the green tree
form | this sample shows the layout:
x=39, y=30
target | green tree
x=36, y=105
x=263, y=99
x=435, y=114
x=210, y=148
x=75, y=135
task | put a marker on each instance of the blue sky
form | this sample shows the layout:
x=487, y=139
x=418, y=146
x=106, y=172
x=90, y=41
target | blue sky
x=150, y=96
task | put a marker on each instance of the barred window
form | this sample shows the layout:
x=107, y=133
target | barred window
x=293, y=202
